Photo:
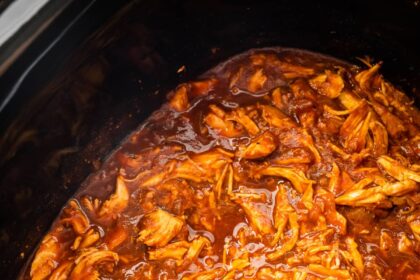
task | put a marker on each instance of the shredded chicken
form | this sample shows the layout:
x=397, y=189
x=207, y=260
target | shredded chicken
x=380, y=138
x=328, y=84
x=174, y=251
x=160, y=227
x=118, y=201
x=276, y=118
x=90, y=260
x=296, y=177
x=276, y=165
x=63, y=271
x=179, y=100
x=261, y=147
x=393, y=124
x=349, y=100
x=257, y=215
x=74, y=216
x=355, y=128
x=240, y=116
x=257, y=80
x=45, y=260
x=290, y=242
x=217, y=120
x=396, y=170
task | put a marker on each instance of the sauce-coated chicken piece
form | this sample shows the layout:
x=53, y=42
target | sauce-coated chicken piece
x=260, y=147
x=396, y=170
x=118, y=201
x=159, y=227
x=45, y=260
x=328, y=84
x=257, y=214
x=217, y=120
x=75, y=217
x=297, y=177
x=257, y=80
x=179, y=100
x=87, y=264
x=174, y=251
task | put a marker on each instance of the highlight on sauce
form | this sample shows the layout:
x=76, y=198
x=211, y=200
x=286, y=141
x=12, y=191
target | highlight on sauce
x=277, y=164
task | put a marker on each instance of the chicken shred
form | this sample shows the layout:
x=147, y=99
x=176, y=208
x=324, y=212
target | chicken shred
x=160, y=227
x=179, y=100
x=328, y=84
x=261, y=147
x=45, y=260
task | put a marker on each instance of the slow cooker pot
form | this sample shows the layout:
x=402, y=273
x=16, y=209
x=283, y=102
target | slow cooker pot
x=81, y=75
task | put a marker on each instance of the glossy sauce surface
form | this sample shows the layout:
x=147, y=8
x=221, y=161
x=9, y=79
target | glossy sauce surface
x=277, y=164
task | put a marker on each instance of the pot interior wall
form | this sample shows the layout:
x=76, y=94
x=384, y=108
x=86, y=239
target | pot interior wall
x=104, y=88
